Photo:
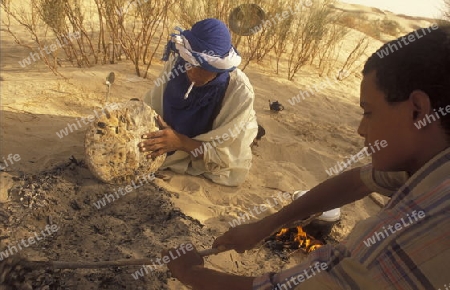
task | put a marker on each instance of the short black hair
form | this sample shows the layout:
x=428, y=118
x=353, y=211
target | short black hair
x=419, y=60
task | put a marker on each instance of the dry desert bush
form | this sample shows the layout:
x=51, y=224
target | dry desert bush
x=308, y=33
x=355, y=20
x=447, y=9
x=390, y=27
x=372, y=28
x=351, y=63
x=107, y=29
x=139, y=27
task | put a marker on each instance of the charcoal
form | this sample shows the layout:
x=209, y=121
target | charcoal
x=13, y=274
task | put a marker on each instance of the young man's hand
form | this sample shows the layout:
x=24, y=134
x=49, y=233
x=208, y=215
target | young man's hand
x=184, y=262
x=243, y=237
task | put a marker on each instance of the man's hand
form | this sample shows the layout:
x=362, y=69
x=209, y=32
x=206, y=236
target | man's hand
x=161, y=141
x=243, y=237
x=168, y=140
x=181, y=267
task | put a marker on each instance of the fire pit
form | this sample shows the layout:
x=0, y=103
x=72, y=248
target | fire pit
x=293, y=239
x=308, y=236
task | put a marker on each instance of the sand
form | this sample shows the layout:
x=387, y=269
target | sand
x=301, y=143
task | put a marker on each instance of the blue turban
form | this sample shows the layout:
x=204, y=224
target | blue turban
x=207, y=44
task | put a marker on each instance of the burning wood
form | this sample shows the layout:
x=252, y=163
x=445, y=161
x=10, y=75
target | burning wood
x=293, y=238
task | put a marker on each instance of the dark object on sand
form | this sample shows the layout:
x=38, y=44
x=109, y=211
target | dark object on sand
x=276, y=106
x=261, y=132
x=259, y=135
x=246, y=19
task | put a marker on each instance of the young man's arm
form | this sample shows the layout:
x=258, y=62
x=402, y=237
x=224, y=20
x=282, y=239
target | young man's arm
x=201, y=278
x=332, y=193
x=335, y=192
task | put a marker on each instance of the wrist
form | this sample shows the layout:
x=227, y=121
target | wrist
x=269, y=224
x=190, y=146
x=183, y=139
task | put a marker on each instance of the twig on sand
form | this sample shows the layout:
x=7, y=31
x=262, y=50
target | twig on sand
x=104, y=264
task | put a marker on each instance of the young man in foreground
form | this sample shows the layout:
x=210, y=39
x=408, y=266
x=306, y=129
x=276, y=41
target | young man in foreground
x=406, y=101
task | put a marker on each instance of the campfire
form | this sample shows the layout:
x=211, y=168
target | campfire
x=293, y=238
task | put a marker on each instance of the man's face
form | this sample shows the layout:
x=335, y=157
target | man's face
x=390, y=122
x=200, y=76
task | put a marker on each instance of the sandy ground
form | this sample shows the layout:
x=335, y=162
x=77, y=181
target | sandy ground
x=56, y=187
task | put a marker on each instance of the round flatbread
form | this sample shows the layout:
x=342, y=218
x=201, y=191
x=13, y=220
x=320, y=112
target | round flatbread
x=111, y=143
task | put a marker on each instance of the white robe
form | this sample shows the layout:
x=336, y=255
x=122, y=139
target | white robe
x=227, y=153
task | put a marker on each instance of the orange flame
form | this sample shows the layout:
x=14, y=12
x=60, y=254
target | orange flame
x=282, y=232
x=305, y=242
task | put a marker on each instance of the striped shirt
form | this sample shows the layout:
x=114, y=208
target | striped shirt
x=405, y=246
